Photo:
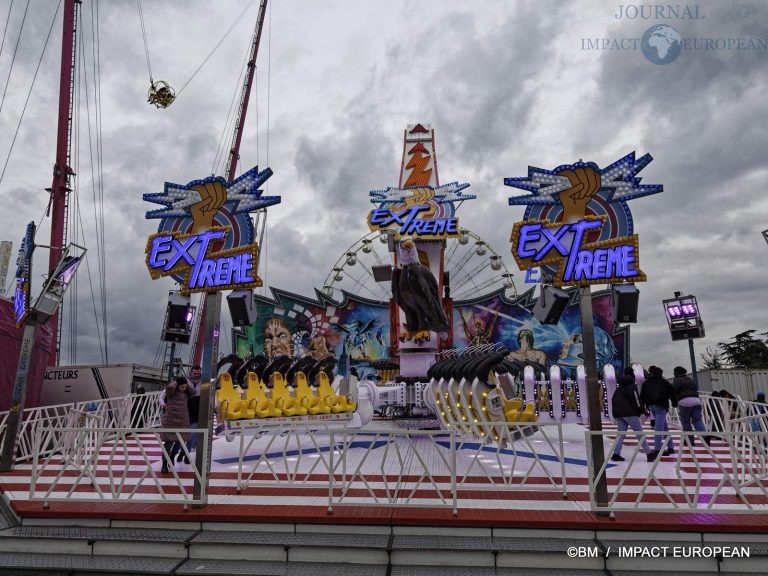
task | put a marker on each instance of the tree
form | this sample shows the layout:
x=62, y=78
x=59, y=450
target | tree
x=746, y=351
x=713, y=360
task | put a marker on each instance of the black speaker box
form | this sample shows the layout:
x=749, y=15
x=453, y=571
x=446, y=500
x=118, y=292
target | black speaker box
x=382, y=273
x=550, y=305
x=242, y=308
x=624, y=300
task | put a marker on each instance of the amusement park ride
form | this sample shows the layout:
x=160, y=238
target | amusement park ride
x=424, y=307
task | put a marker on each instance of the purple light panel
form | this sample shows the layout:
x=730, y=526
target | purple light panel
x=674, y=311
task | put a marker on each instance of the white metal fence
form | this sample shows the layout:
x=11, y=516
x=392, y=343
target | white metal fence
x=89, y=462
x=727, y=475
x=110, y=450
x=399, y=467
x=134, y=411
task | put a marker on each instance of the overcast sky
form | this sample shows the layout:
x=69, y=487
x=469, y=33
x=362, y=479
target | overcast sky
x=506, y=84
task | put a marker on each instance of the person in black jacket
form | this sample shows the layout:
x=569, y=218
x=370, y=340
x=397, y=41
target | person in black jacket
x=657, y=395
x=688, y=405
x=626, y=411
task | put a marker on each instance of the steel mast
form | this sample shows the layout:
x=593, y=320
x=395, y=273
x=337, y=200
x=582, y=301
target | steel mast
x=60, y=189
x=234, y=155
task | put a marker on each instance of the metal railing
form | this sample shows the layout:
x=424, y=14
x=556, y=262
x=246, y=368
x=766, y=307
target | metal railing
x=136, y=410
x=90, y=462
x=399, y=467
x=110, y=450
x=728, y=474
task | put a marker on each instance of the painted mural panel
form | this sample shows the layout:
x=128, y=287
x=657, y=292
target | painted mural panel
x=356, y=331
x=495, y=319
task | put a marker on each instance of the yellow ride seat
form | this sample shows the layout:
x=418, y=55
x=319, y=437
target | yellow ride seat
x=233, y=407
x=289, y=405
x=258, y=401
x=335, y=402
x=529, y=413
x=512, y=409
x=306, y=397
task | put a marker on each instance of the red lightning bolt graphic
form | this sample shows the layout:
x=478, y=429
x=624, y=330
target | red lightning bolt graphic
x=419, y=176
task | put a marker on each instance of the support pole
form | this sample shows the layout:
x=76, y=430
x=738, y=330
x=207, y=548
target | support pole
x=208, y=390
x=61, y=170
x=593, y=396
x=171, y=373
x=13, y=424
x=693, y=362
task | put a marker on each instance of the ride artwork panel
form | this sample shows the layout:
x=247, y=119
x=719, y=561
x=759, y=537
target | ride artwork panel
x=354, y=331
x=494, y=319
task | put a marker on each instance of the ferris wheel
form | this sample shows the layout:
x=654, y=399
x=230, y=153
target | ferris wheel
x=474, y=267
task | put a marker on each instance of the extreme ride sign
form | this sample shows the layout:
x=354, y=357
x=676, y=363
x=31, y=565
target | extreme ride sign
x=578, y=228
x=205, y=238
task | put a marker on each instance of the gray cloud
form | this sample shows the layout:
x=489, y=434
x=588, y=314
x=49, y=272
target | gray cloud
x=504, y=85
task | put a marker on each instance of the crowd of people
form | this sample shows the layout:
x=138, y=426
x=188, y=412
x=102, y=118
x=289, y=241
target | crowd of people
x=658, y=396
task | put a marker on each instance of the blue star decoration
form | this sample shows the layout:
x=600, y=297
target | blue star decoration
x=447, y=193
x=618, y=182
x=243, y=195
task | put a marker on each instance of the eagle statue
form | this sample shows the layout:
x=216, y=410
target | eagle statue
x=415, y=290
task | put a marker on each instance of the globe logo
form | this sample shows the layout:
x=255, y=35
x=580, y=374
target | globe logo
x=661, y=44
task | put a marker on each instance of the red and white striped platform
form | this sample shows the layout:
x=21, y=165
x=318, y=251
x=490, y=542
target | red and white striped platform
x=536, y=504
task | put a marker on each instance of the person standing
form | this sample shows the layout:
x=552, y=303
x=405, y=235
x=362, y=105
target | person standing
x=657, y=395
x=138, y=407
x=193, y=407
x=688, y=404
x=175, y=415
x=627, y=409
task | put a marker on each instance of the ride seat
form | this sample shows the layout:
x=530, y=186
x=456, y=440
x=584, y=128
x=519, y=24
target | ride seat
x=306, y=397
x=327, y=394
x=256, y=396
x=289, y=405
x=529, y=413
x=232, y=405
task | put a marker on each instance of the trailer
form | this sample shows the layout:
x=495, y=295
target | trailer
x=66, y=384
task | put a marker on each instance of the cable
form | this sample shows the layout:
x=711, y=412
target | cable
x=30, y=90
x=269, y=86
x=235, y=23
x=8, y=19
x=220, y=150
x=144, y=37
x=15, y=49
x=99, y=248
x=100, y=168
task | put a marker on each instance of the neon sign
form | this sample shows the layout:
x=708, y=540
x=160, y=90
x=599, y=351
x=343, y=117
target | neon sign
x=410, y=223
x=205, y=238
x=423, y=211
x=23, y=269
x=203, y=270
x=536, y=243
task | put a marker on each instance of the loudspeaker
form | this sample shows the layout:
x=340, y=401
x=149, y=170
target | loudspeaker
x=382, y=273
x=550, y=305
x=624, y=299
x=690, y=329
x=178, y=319
x=242, y=308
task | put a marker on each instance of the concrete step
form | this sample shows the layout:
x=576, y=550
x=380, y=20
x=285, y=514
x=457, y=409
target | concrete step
x=116, y=548
x=18, y=563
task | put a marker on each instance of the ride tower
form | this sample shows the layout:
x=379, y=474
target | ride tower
x=422, y=210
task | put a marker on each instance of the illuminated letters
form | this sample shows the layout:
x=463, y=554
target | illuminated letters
x=169, y=254
x=536, y=243
x=411, y=225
